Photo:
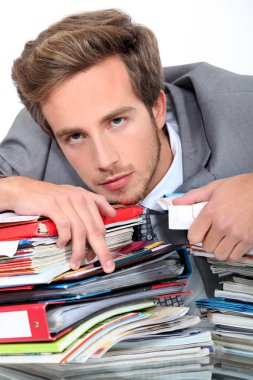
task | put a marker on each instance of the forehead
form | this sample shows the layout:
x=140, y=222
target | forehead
x=109, y=75
x=91, y=93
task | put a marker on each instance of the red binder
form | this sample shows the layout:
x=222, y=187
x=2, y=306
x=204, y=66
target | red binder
x=31, y=320
x=124, y=213
x=40, y=228
x=46, y=227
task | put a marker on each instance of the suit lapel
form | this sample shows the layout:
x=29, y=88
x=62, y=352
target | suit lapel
x=195, y=148
x=196, y=153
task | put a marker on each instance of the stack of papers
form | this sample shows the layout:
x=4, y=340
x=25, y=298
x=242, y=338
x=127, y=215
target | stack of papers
x=28, y=251
x=231, y=311
x=87, y=315
x=95, y=336
x=157, y=368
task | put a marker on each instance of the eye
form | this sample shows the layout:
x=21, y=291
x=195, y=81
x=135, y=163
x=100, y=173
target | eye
x=75, y=138
x=118, y=121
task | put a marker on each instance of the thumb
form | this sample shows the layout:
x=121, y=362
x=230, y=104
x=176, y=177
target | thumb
x=202, y=194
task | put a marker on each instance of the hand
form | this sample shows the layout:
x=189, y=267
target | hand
x=75, y=212
x=225, y=225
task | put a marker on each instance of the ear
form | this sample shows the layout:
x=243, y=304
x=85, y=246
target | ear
x=159, y=110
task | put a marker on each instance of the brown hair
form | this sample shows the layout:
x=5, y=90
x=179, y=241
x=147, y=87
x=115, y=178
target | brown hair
x=78, y=42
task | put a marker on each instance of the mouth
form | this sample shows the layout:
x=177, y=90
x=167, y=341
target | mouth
x=117, y=182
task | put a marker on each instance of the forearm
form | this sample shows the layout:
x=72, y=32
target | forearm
x=8, y=186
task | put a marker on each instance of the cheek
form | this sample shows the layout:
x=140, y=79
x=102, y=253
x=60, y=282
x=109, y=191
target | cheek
x=141, y=144
x=79, y=161
x=134, y=140
x=68, y=153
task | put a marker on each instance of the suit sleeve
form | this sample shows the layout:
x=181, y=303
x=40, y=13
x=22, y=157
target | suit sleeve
x=25, y=149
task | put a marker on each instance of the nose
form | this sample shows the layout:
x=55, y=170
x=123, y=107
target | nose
x=105, y=152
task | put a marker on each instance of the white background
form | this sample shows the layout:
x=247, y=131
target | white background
x=216, y=31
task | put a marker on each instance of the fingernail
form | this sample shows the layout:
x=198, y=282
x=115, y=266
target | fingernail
x=110, y=266
x=76, y=265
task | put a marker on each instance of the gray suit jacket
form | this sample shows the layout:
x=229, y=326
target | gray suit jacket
x=214, y=109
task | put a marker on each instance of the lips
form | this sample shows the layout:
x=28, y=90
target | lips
x=116, y=183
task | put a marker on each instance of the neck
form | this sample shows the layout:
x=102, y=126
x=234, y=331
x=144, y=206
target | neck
x=165, y=159
x=166, y=155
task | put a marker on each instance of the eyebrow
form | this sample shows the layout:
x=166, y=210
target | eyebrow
x=116, y=113
x=110, y=116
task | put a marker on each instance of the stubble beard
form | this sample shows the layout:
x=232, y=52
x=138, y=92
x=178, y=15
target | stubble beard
x=133, y=195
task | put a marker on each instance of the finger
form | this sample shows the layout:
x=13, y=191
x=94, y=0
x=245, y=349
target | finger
x=103, y=206
x=77, y=232
x=224, y=248
x=239, y=251
x=90, y=255
x=199, y=228
x=104, y=255
x=79, y=235
x=62, y=223
x=201, y=194
x=95, y=230
x=212, y=239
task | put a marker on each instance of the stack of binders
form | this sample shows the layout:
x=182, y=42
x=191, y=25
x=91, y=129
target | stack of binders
x=50, y=314
x=231, y=312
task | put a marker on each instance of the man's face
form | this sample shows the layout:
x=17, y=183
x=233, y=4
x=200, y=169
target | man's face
x=107, y=134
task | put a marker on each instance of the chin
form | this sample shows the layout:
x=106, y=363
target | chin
x=124, y=199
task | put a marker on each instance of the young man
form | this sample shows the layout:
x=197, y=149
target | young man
x=94, y=83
